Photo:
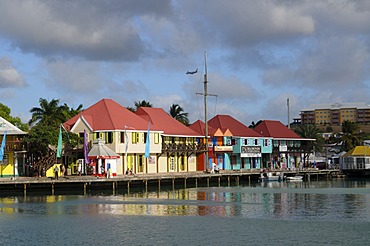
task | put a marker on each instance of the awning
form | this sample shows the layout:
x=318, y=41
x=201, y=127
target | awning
x=100, y=151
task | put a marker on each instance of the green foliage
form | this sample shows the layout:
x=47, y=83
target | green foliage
x=143, y=103
x=46, y=120
x=351, y=135
x=311, y=132
x=5, y=113
x=178, y=113
x=132, y=109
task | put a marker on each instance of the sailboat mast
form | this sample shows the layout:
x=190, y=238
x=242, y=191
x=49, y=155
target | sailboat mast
x=206, y=164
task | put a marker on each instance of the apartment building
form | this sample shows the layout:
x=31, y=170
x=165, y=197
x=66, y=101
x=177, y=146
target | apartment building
x=335, y=114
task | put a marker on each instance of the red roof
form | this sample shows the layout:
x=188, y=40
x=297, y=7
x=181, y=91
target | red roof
x=275, y=129
x=109, y=115
x=161, y=120
x=236, y=128
x=200, y=128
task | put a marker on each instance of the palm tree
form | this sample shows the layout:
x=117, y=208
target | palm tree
x=143, y=103
x=350, y=135
x=132, y=109
x=49, y=113
x=70, y=112
x=178, y=113
x=310, y=131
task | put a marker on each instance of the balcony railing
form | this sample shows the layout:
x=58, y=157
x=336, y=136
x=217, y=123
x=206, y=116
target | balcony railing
x=12, y=146
x=173, y=147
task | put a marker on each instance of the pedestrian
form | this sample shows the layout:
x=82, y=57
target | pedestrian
x=56, y=172
x=62, y=170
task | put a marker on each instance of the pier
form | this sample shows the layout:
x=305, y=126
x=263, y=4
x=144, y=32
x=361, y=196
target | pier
x=84, y=184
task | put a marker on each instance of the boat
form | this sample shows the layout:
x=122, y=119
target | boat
x=295, y=178
x=268, y=177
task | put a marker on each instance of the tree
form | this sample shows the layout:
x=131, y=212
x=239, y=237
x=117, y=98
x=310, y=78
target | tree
x=351, y=136
x=132, y=109
x=143, y=103
x=49, y=113
x=70, y=112
x=311, y=132
x=43, y=136
x=5, y=113
x=178, y=113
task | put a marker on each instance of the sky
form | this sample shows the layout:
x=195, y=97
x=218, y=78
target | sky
x=258, y=54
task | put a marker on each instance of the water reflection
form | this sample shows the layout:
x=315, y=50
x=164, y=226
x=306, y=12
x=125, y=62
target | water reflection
x=279, y=200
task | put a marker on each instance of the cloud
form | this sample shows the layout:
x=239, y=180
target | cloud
x=9, y=76
x=102, y=31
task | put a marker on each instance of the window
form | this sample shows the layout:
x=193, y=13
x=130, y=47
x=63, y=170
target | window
x=156, y=138
x=135, y=137
x=123, y=137
x=109, y=137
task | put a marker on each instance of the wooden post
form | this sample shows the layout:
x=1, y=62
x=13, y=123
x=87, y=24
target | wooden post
x=185, y=183
x=114, y=187
x=207, y=181
x=219, y=181
x=159, y=185
x=128, y=187
x=173, y=183
x=25, y=189
x=228, y=181
x=85, y=184
x=196, y=182
x=52, y=188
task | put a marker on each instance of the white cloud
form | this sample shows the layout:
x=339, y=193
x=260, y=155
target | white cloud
x=9, y=76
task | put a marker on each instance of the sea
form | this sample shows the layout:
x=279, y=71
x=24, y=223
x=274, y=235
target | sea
x=322, y=212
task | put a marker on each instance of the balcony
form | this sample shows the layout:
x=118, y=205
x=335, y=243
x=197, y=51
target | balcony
x=183, y=148
x=12, y=146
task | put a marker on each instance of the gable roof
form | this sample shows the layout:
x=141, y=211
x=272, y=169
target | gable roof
x=234, y=126
x=200, y=128
x=275, y=129
x=161, y=120
x=9, y=128
x=107, y=115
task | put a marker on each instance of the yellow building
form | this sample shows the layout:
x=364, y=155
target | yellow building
x=335, y=114
x=13, y=150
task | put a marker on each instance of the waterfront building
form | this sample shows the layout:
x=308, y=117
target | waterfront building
x=247, y=145
x=335, y=114
x=286, y=147
x=147, y=141
x=180, y=145
x=13, y=150
x=356, y=161
x=220, y=149
x=122, y=131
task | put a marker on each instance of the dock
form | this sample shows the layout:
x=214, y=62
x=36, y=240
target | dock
x=84, y=184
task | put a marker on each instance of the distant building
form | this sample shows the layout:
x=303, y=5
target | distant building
x=335, y=114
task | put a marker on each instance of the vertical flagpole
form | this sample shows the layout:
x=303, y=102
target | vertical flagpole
x=205, y=110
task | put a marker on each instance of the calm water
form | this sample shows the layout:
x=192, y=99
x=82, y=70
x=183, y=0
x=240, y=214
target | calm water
x=297, y=213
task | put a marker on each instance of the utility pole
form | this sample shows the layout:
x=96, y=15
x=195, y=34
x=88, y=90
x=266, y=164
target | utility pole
x=205, y=94
x=288, y=113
